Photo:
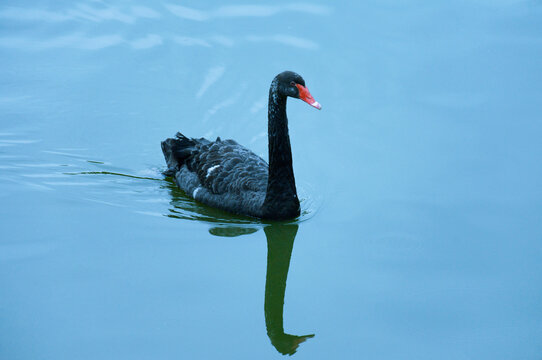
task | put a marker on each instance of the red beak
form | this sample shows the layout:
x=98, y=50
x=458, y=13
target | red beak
x=306, y=96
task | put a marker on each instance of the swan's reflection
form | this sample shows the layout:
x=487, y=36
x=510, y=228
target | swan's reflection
x=280, y=242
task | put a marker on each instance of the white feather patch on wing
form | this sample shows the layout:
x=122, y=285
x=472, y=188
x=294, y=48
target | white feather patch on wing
x=211, y=169
x=195, y=192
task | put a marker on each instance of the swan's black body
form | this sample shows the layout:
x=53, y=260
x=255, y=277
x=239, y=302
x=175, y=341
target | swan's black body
x=228, y=176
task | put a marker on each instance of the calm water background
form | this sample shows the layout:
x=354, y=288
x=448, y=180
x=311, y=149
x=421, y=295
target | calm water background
x=422, y=235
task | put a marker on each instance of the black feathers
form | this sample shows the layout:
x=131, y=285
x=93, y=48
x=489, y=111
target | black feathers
x=222, y=172
x=176, y=151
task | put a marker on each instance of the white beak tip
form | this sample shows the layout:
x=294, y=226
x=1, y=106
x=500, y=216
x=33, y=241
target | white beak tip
x=317, y=105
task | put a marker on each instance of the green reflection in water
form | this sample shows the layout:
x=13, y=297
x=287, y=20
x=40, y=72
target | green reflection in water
x=280, y=242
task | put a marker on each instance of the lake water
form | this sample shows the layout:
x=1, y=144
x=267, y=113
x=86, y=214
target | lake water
x=420, y=179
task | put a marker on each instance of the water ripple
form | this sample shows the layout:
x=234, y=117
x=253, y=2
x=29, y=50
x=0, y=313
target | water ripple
x=212, y=76
x=186, y=12
x=147, y=42
x=190, y=41
x=77, y=41
x=80, y=12
x=230, y=11
x=285, y=40
x=86, y=42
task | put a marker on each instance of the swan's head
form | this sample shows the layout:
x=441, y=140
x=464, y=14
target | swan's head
x=291, y=84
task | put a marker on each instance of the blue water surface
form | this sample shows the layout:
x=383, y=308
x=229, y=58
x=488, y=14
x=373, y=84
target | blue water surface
x=420, y=181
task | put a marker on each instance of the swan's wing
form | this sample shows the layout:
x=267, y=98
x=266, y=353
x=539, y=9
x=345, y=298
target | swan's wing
x=227, y=167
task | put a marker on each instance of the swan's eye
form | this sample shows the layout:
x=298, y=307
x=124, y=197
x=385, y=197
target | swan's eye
x=292, y=83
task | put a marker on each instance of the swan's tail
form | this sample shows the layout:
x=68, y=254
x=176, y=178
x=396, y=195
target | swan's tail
x=176, y=151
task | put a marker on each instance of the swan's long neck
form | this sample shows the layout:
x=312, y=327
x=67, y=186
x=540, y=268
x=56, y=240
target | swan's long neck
x=281, y=200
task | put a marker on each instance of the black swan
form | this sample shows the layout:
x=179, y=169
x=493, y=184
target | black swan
x=228, y=176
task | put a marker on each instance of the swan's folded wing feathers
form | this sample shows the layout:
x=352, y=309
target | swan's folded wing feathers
x=227, y=167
